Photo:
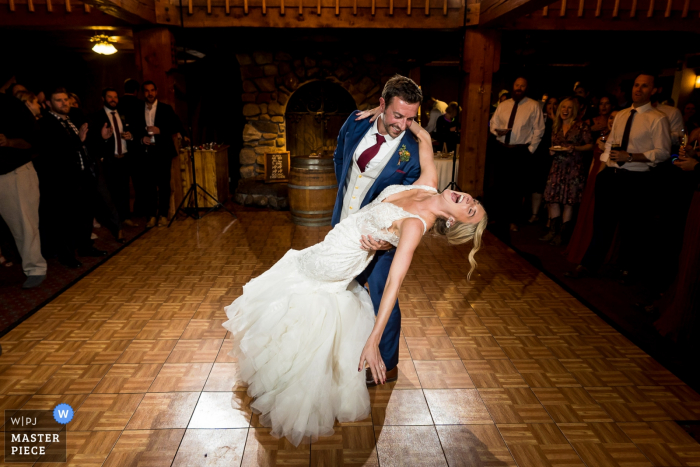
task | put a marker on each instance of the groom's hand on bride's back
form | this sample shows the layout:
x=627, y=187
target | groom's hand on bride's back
x=370, y=244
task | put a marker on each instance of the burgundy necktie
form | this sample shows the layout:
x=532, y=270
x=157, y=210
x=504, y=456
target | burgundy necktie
x=626, y=134
x=117, y=133
x=369, y=153
x=511, y=120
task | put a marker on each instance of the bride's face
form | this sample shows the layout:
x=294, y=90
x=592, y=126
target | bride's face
x=462, y=207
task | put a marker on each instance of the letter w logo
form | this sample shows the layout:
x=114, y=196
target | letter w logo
x=63, y=413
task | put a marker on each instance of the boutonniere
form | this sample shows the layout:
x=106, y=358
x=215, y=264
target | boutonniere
x=404, y=155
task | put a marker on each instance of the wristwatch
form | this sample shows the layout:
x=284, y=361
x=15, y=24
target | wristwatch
x=629, y=159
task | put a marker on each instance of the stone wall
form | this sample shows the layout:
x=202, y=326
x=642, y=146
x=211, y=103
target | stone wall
x=269, y=79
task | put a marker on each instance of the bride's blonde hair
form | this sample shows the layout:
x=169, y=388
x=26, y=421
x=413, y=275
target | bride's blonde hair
x=460, y=232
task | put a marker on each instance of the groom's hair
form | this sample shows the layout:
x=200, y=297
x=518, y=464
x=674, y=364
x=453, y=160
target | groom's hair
x=404, y=88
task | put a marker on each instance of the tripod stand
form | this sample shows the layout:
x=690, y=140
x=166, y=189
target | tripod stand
x=191, y=195
x=453, y=185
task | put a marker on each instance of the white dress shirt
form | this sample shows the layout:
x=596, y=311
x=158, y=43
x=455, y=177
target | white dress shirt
x=528, y=127
x=370, y=139
x=675, y=120
x=357, y=183
x=109, y=111
x=649, y=135
x=438, y=110
x=151, y=114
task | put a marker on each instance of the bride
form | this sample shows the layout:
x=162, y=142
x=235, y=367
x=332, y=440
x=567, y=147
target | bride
x=304, y=330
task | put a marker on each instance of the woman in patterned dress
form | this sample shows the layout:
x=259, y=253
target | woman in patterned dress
x=571, y=138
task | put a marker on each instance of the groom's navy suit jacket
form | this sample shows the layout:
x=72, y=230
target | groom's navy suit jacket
x=394, y=173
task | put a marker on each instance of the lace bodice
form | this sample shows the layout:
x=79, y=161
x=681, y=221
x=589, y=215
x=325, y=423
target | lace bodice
x=339, y=258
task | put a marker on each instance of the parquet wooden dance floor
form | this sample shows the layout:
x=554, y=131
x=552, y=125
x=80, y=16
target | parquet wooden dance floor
x=505, y=370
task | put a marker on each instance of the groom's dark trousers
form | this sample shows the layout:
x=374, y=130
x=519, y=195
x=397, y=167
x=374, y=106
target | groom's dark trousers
x=394, y=173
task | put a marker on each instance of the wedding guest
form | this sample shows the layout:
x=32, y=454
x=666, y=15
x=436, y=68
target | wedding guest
x=599, y=123
x=644, y=140
x=67, y=183
x=570, y=139
x=675, y=120
x=518, y=125
x=542, y=162
x=160, y=125
x=447, y=128
x=437, y=110
x=691, y=123
x=15, y=89
x=109, y=143
x=19, y=186
x=583, y=229
x=680, y=306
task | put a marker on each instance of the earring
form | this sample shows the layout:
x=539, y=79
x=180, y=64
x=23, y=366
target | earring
x=448, y=224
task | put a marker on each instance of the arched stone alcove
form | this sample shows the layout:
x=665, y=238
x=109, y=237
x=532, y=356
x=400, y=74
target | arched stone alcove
x=314, y=115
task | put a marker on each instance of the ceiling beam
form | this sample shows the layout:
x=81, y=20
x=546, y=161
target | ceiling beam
x=603, y=24
x=59, y=19
x=496, y=12
x=132, y=11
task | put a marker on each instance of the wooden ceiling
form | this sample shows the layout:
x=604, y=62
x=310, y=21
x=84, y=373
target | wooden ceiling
x=657, y=15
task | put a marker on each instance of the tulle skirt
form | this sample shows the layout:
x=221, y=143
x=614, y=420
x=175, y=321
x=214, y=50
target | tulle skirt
x=298, y=345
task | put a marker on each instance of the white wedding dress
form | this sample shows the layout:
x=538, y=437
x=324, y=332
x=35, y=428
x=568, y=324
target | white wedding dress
x=300, y=327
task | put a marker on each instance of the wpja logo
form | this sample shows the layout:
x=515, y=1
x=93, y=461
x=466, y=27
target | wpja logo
x=37, y=435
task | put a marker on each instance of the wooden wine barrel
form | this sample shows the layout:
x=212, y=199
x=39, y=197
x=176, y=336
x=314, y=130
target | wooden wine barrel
x=312, y=190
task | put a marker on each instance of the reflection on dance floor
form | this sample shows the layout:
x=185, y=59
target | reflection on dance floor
x=505, y=370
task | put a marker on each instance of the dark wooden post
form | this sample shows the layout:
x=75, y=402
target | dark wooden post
x=154, y=49
x=481, y=59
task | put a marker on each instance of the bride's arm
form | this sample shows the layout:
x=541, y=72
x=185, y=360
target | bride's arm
x=410, y=234
x=428, y=171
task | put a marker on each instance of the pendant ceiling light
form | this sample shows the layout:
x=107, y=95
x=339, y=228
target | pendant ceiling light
x=103, y=45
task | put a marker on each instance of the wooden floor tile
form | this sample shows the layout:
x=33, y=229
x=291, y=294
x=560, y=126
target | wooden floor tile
x=603, y=444
x=349, y=446
x=443, y=374
x=154, y=448
x=514, y=405
x=105, y=412
x=181, y=377
x=264, y=450
x=50, y=353
x=195, y=351
x=474, y=445
x=457, y=407
x=148, y=351
x=87, y=448
x=431, y=348
x=215, y=448
x=74, y=379
x=570, y=405
x=128, y=378
x=163, y=329
x=204, y=329
x=222, y=410
x=98, y=352
x=169, y=410
x=663, y=443
x=399, y=446
x=224, y=377
x=223, y=355
x=494, y=374
x=25, y=379
x=399, y=407
x=545, y=373
x=539, y=445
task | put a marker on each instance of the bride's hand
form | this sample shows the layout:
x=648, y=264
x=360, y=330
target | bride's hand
x=374, y=113
x=371, y=355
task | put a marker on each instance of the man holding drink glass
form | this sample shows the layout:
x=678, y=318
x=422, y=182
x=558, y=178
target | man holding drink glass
x=640, y=139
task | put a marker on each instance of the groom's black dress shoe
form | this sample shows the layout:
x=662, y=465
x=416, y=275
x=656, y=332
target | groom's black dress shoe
x=391, y=376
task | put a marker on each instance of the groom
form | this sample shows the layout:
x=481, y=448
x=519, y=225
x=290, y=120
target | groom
x=370, y=157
